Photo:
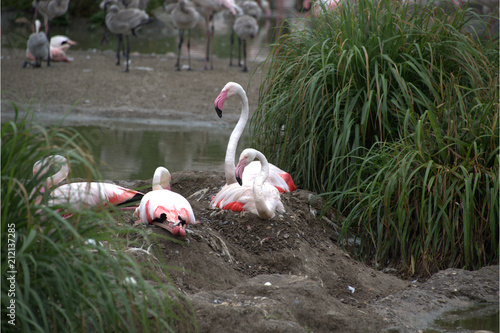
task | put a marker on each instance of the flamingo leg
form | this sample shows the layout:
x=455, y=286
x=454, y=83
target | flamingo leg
x=212, y=32
x=239, y=52
x=118, y=49
x=48, y=38
x=179, y=49
x=128, y=52
x=231, y=49
x=189, y=49
x=207, y=42
x=245, y=68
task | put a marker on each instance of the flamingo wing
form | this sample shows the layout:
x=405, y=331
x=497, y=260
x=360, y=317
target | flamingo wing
x=280, y=179
x=239, y=198
x=85, y=195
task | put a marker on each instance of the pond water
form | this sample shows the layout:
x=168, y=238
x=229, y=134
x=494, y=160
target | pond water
x=132, y=151
x=477, y=318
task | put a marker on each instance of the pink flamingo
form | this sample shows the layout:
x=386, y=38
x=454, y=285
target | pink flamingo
x=164, y=208
x=282, y=180
x=209, y=8
x=259, y=197
x=79, y=195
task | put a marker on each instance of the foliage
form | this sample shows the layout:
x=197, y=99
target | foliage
x=74, y=274
x=391, y=111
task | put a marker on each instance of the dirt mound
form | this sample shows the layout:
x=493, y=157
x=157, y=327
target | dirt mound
x=287, y=274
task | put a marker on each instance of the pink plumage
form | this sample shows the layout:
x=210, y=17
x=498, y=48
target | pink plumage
x=165, y=208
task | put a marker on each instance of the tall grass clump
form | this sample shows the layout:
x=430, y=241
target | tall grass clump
x=70, y=275
x=391, y=111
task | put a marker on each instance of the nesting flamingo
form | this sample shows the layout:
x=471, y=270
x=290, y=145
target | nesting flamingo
x=258, y=197
x=164, y=208
x=277, y=177
x=79, y=195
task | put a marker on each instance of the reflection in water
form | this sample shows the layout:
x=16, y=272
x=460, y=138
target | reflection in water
x=134, y=153
x=481, y=317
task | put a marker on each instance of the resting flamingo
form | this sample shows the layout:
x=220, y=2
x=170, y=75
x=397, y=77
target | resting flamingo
x=259, y=197
x=165, y=208
x=79, y=195
x=277, y=177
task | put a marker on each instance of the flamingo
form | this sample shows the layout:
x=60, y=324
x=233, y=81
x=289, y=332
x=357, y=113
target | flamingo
x=277, y=177
x=79, y=195
x=229, y=19
x=38, y=46
x=245, y=27
x=185, y=17
x=49, y=10
x=259, y=197
x=208, y=8
x=164, y=208
x=124, y=22
x=58, y=47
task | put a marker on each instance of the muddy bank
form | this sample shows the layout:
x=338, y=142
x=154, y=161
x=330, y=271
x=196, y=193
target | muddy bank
x=240, y=273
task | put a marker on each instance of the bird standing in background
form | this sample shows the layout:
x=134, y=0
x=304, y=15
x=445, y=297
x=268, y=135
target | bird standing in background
x=50, y=9
x=245, y=27
x=185, y=17
x=124, y=22
x=208, y=8
x=38, y=46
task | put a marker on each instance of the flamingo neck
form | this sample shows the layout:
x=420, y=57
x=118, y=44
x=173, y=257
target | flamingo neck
x=161, y=179
x=52, y=180
x=229, y=166
x=260, y=202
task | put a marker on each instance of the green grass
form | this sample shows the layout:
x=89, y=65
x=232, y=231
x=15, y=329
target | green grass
x=391, y=113
x=63, y=281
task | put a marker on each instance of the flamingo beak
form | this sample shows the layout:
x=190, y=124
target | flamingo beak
x=238, y=172
x=219, y=102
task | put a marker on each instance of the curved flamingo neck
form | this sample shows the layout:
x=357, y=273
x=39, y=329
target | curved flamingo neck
x=260, y=201
x=161, y=179
x=235, y=138
x=58, y=176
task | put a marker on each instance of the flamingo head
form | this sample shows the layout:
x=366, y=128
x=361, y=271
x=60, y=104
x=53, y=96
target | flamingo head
x=246, y=156
x=179, y=228
x=230, y=89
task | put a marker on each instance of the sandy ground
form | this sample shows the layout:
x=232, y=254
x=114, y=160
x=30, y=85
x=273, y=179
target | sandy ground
x=239, y=272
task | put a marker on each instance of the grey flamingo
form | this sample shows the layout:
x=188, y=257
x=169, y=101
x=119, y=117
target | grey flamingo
x=185, y=17
x=38, y=46
x=124, y=22
x=50, y=9
x=245, y=27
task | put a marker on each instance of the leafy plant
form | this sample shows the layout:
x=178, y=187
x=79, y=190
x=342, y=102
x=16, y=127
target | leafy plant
x=71, y=275
x=390, y=110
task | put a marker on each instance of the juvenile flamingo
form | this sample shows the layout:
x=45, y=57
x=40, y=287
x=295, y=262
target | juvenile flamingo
x=185, y=17
x=277, y=177
x=164, y=208
x=79, y=195
x=49, y=10
x=245, y=27
x=37, y=46
x=259, y=197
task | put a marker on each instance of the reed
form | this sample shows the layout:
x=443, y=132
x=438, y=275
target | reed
x=390, y=111
x=71, y=275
